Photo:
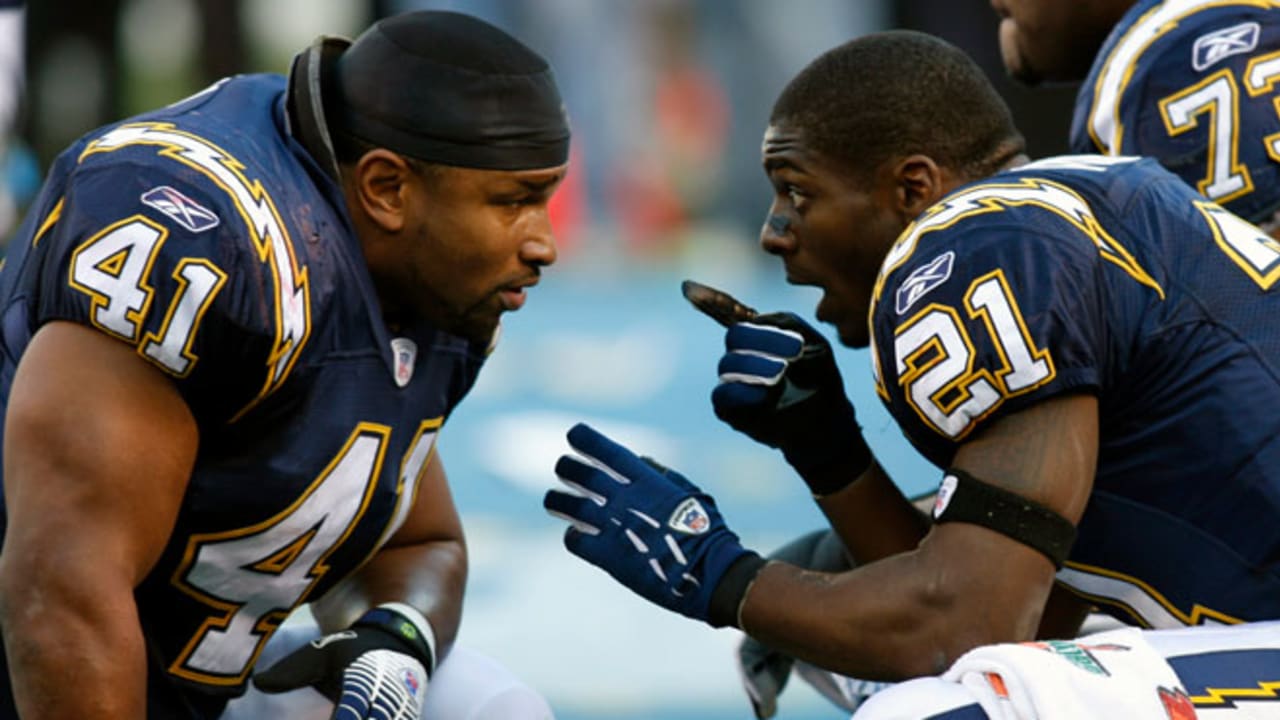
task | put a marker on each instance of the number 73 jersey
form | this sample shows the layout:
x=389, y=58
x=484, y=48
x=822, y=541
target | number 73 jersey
x=1107, y=276
x=1195, y=84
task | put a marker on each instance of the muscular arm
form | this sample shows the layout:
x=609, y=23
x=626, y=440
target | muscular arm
x=914, y=613
x=424, y=565
x=873, y=518
x=98, y=449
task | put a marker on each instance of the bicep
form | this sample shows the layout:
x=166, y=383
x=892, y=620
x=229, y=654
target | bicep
x=1046, y=453
x=98, y=448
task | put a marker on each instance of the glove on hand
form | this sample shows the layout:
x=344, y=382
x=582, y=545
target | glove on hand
x=651, y=529
x=780, y=385
x=376, y=669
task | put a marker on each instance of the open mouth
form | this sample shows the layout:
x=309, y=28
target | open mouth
x=794, y=278
x=512, y=298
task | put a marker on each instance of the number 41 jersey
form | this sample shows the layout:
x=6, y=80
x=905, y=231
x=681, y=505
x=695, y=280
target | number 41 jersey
x=1107, y=276
x=205, y=237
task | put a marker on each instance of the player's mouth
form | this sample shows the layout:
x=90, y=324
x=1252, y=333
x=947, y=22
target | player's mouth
x=514, y=296
x=512, y=300
x=795, y=278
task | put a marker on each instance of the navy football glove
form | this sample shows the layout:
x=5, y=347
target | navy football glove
x=376, y=670
x=779, y=384
x=651, y=529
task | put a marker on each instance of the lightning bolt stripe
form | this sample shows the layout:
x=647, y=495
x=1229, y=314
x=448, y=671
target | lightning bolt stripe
x=54, y=216
x=1227, y=696
x=292, y=311
x=1221, y=677
x=998, y=197
x=1136, y=598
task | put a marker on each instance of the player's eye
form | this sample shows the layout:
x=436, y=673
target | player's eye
x=511, y=201
x=794, y=194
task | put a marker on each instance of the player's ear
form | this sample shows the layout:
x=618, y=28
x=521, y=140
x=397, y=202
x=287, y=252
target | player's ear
x=920, y=183
x=381, y=180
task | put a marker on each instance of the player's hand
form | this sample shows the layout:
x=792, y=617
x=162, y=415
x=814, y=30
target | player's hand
x=779, y=384
x=764, y=673
x=376, y=669
x=651, y=529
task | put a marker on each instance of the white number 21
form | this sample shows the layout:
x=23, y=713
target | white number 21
x=935, y=359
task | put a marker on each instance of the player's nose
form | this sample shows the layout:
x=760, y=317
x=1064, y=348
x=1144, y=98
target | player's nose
x=776, y=236
x=539, y=245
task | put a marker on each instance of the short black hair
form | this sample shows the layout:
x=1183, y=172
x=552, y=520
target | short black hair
x=898, y=93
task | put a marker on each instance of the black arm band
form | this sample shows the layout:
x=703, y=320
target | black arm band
x=722, y=610
x=964, y=498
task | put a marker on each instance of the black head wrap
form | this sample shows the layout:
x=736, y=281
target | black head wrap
x=439, y=86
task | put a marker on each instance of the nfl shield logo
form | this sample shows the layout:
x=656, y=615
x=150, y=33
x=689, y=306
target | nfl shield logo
x=690, y=518
x=411, y=683
x=945, y=491
x=405, y=352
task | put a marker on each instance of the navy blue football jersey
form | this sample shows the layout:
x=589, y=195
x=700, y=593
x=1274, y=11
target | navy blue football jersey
x=1107, y=276
x=205, y=237
x=1192, y=83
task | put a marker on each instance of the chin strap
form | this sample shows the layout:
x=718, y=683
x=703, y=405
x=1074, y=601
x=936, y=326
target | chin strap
x=304, y=100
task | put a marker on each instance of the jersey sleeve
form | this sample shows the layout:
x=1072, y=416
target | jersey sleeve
x=986, y=316
x=1199, y=97
x=156, y=259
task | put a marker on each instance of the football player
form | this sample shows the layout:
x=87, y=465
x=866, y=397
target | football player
x=233, y=330
x=1189, y=82
x=1084, y=346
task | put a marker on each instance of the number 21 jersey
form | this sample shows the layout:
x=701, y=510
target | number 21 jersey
x=1107, y=276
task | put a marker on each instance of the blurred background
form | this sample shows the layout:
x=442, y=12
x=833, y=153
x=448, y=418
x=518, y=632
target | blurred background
x=668, y=100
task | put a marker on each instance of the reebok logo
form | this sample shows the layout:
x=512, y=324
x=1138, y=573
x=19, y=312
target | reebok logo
x=922, y=280
x=1212, y=47
x=187, y=212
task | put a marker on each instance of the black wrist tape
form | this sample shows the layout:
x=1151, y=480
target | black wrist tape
x=722, y=610
x=964, y=498
x=854, y=453
x=403, y=630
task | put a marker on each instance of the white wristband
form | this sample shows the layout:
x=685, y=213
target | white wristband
x=423, y=625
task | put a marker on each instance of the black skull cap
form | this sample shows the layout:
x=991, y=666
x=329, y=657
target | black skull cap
x=449, y=88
